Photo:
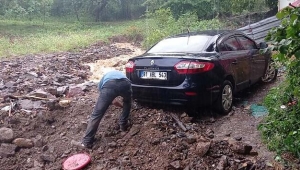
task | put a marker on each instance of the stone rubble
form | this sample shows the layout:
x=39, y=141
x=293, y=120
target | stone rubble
x=54, y=98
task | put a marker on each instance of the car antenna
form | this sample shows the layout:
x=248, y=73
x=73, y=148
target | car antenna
x=188, y=30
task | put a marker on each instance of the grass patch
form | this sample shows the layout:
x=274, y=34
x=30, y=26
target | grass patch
x=30, y=37
x=281, y=128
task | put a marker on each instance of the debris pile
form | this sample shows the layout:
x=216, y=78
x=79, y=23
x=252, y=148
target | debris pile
x=45, y=104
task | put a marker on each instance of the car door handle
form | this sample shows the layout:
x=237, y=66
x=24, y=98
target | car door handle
x=234, y=62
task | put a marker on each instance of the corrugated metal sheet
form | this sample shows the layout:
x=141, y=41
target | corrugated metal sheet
x=259, y=30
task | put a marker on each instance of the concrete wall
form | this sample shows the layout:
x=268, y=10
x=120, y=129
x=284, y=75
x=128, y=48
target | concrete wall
x=284, y=3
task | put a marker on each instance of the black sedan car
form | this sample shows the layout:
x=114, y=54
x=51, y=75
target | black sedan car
x=197, y=69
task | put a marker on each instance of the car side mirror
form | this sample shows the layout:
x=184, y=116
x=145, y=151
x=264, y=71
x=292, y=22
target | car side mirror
x=263, y=45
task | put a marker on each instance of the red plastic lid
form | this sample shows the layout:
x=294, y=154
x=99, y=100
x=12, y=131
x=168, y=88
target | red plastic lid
x=76, y=162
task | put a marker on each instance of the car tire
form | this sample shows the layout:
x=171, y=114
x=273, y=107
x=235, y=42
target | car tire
x=225, y=98
x=271, y=73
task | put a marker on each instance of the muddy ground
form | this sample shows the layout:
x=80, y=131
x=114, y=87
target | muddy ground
x=46, y=101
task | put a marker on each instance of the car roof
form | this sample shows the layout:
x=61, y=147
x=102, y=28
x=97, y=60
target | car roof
x=207, y=32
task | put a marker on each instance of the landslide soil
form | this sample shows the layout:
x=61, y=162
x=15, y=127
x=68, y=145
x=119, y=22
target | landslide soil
x=154, y=140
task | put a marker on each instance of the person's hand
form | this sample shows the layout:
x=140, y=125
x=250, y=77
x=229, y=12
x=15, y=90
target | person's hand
x=117, y=103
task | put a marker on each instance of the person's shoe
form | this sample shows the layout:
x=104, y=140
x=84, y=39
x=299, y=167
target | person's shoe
x=81, y=145
x=89, y=146
x=124, y=127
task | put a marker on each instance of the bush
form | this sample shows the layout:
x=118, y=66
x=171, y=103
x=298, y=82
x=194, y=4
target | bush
x=161, y=24
x=281, y=128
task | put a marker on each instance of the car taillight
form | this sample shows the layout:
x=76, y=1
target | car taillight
x=193, y=67
x=129, y=67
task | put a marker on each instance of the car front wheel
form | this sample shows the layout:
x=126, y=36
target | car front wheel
x=224, y=102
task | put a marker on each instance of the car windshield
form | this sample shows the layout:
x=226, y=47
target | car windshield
x=181, y=44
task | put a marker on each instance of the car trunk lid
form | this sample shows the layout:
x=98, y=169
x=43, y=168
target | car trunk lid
x=160, y=70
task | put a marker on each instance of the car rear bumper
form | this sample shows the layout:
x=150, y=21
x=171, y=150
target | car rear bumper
x=174, y=95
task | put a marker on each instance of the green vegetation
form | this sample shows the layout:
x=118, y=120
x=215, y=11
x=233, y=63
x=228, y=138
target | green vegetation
x=161, y=23
x=112, y=10
x=18, y=37
x=281, y=128
x=35, y=26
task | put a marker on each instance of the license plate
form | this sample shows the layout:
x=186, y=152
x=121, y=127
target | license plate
x=153, y=75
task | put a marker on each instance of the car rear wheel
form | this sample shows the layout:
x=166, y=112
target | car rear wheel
x=271, y=73
x=224, y=102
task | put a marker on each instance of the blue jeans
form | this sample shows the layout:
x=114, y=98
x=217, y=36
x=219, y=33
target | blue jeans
x=110, y=90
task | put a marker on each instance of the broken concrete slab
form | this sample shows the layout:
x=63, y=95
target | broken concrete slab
x=29, y=104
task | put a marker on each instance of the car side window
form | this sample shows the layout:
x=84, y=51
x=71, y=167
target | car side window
x=247, y=43
x=232, y=44
x=222, y=47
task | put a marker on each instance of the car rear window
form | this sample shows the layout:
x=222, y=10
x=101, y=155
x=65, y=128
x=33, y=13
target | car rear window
x=181, y=44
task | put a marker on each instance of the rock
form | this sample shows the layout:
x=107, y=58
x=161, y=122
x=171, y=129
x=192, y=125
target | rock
x=202, y=148
x=42, y=94
x=223, y=163
x=191, y=139
x=244, y=166
x=62, y=90
x=28, y=104
x=45, y=148
x=52, y=91
x=6, y=135
x=39, y=93
x=155, y=141
x=112, y=144
x=175, y=165
x=187, y=119
x=134, y=130
x=228, y=134
x=7, y=150
x=74, y=91
x=12, y=90
x=125, y=160
x=83, y=87
x=184, y=115
x=238, y=138
x=209, y=133
x=52, y=105
x=64, y=103
x=38, y=141
x=2, y=86
x=47, y=158
x=23, y=143
x=241, y=148
x=181, y=134
x=10, y=84
x=212, y=120
x=33, y=74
